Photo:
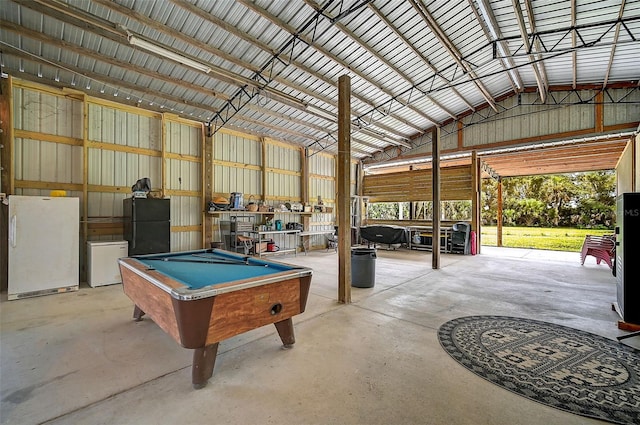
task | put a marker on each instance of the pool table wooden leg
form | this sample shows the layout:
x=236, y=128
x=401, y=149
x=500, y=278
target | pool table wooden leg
x=204, y=359
x=285, y=330
x=137, y=313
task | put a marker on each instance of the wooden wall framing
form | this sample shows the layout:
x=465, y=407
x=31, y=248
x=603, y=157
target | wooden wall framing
x=56, y=142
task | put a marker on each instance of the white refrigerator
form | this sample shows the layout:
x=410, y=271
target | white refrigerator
x=43, y=254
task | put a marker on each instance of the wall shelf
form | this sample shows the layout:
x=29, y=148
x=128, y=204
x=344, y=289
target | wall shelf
x=262, y=238
x=229, y=237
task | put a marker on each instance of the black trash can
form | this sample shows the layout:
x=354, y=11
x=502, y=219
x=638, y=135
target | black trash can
x=363, y=267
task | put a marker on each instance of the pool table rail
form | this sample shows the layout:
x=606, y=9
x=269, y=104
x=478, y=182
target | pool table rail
x=180, y=291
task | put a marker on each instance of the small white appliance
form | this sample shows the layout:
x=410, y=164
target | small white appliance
x=102, y=262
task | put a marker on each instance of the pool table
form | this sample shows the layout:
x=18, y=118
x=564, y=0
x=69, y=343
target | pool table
x=205, y=296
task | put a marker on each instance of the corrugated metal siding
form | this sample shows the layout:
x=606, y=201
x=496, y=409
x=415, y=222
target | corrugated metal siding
x=282, y=187
x=322, y=175
x=111, y=168
x=184, y=174
x=185, y=241
x=44, y=161
x=120, y=168
x=531, y=119
x=237, y=148
x=46, y=113
x=628, y=108
x=105, y=205
x=448, y=140
x=185, y=211
x=448, y=136
x=283, y=157
x=237, y=162
x=183, y=139
x=283, y=175
x=36, y=160
x=322, y=182
x=123, y=146
x=232, y=179
x=111, y=125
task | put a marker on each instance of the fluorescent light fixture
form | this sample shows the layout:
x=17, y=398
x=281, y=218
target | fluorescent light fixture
x=153, y=48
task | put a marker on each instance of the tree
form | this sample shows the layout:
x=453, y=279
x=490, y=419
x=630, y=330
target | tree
x=383, y=210
x=579, y=199
x=557, y=191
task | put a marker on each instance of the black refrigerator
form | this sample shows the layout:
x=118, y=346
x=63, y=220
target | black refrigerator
x=627, y=254
x=147, y=225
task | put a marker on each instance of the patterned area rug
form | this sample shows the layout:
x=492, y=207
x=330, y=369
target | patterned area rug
x=565, y=368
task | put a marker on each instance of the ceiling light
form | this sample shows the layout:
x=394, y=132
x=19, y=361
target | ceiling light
x=153, y=48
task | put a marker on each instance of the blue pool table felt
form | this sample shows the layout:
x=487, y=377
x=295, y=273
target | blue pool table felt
x=200, y=269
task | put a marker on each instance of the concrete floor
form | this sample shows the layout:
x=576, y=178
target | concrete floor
x=78, y=358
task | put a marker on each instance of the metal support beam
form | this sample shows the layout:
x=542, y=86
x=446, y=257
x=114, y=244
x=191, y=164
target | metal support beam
x=613, y=48
x=542, y=87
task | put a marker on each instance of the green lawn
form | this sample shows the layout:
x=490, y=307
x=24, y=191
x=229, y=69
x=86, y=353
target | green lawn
x=557, y=239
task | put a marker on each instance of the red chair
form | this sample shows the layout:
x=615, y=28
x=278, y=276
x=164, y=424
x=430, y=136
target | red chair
x=603, y=248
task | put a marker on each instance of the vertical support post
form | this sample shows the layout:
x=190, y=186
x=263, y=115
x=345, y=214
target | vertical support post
x=163, y=154
x=499, y=214
x=476, y=202
x=263, y=168
x=435, y=155
x=304, y=174
x=163, y=167
x=599, y=112
x=343, y=186
x=304, y=161
x=207, y=187
x=85, y=186
x=6, y=173
x=7, y=170
x=634, y=164
x=360, y=200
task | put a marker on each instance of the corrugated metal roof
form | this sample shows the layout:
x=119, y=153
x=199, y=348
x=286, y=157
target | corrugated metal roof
x=413, y=64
